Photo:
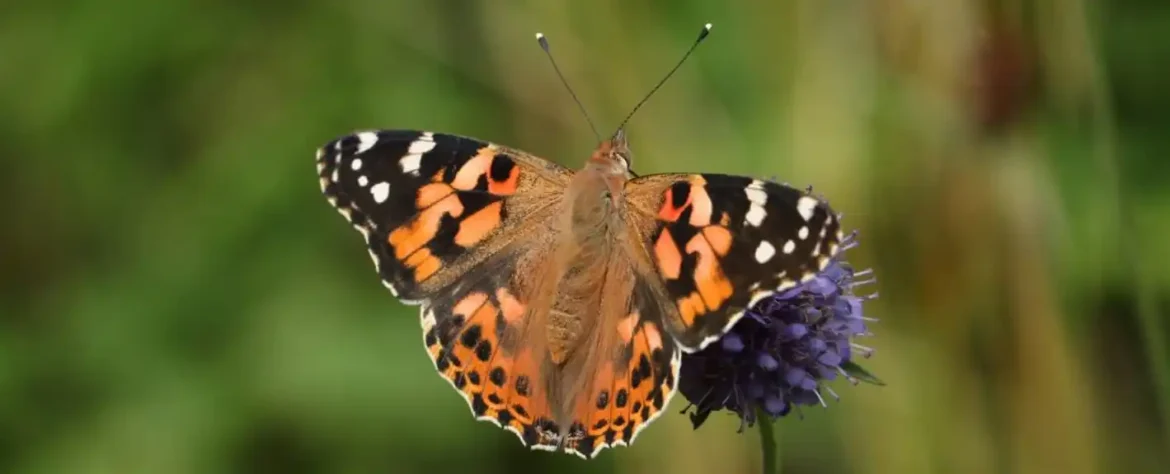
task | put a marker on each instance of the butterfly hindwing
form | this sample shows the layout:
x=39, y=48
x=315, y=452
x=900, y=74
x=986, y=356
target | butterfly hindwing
x=633, y=384
x=477, y=335
x=721, y=243
x=432, y=205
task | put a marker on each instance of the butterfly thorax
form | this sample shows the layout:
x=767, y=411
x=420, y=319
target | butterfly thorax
x=595, y=193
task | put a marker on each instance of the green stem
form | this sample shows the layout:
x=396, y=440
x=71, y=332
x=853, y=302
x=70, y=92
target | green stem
x=768, y=442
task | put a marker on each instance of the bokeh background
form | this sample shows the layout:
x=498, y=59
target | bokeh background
x=179, y=298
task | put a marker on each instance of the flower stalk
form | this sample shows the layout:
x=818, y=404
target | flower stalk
x=768, y=444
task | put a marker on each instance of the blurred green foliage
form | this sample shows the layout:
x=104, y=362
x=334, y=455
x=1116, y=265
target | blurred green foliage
x=179, y=298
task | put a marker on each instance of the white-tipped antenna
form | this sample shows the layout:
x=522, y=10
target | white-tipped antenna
x=702, y=35
x=544, y=45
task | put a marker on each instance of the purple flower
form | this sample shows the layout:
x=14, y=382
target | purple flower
x=783, y=350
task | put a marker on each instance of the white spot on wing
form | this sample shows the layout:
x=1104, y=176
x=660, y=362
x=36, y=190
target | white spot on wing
x=410, y=162
x=424, y=144
x=805, y=205
x=755, y=215
x=789, y=247
x=366, y=140
x=413, y=157
x=765, y=252
x=803, y=232
x=363, y=181
x=755, y=193
x=356, y=164
x=380, y=192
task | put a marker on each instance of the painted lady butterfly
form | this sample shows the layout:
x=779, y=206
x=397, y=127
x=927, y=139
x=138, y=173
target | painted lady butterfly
x=558, y=302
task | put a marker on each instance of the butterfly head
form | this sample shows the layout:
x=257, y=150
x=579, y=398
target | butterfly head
x=612, y=156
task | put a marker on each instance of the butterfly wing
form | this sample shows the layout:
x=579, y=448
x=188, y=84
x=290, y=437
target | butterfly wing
x=635, y=377
x=432, y=206
x=482, y=338
x=721, y=243
x=450, y=222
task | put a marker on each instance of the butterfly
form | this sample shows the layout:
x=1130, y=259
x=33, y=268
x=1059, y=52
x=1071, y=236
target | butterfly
x=559, y=302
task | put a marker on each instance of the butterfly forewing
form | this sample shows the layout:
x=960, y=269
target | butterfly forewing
x=720, y=243
x=431, y=206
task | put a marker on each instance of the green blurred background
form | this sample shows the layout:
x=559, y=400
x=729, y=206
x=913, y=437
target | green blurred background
x=179, y=298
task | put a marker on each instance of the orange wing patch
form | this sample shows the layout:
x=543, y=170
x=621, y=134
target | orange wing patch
x=430, y=194
x=718, y=238
x=423, y=263
x=713, y=286
x=668, y=257
x=477, y=226
x=415, y=234
x=690, y=307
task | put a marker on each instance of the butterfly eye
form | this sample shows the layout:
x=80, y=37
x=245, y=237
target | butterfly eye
x=621, y=149
x=626, y=159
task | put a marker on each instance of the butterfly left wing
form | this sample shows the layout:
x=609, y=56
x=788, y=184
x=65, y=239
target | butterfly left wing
x=455, y=224
x=432, y=205
x=721, y=243
x=479, y=334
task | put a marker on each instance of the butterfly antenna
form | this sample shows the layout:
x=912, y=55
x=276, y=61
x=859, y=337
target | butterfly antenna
x=702, y=35
x=544, y=45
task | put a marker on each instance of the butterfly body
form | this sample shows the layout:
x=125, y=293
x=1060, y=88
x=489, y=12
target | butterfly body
x=559, y=302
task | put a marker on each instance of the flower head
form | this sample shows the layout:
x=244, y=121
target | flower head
x=783, y=349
